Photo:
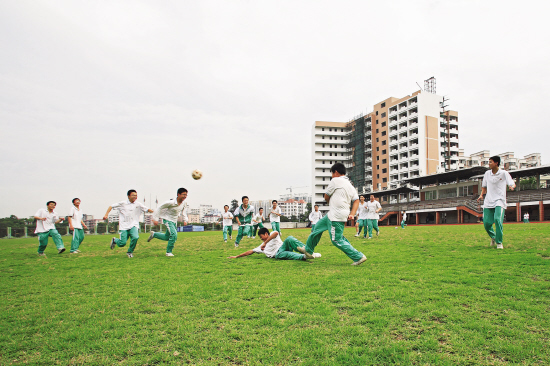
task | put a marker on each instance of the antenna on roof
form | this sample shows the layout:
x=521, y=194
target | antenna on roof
x=419, y=86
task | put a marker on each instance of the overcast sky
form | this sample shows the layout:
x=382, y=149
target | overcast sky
x=97, y=97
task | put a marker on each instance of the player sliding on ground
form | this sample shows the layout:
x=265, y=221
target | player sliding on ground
x=76, y=224
x=243, y=215
x=169, y=212
x=129, y=212
x=373, y=208
x=45, y=227
x=340, y=195
x=274, y=247
x=494, y=185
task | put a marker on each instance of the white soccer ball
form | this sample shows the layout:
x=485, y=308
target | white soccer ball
x=316, y=255
x=196, y=174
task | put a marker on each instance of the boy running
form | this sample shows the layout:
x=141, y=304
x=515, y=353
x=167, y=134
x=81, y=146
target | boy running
x=315, y=216
x=373, y=207
x=403, y=220
x=257, y=222
x=169, y=212
x=274, y=247
x=45, y=227
x=243, y=215
x=227, y=220
x=275, y=217
x=362, y=217
x=76, y=224
x=129, y=212
x=340, y=196
x=493, y=187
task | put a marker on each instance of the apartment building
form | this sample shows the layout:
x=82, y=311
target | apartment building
x=292, y=207
x=508, y=161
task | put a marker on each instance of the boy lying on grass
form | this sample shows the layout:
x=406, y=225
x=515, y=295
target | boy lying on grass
x=274, y=247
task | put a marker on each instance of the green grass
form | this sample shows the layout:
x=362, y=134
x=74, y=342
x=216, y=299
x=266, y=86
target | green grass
x=435, y=295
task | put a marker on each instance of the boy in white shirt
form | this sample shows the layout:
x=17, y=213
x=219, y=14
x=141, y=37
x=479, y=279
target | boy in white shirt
x=227, y=220
x=275, y=217
x=340, y=195
x=257, y=222
x=243, y=215
x=129, y=213
x=494, y=185
x=403, y=220
x=45, y=227
x=526, y=218
x=315, y=216
x=169, y=212
x=373, y=208
x=76, y=224
x=274, y=247
x=362, y=217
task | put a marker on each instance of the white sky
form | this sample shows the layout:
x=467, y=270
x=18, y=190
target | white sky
x=97, y=97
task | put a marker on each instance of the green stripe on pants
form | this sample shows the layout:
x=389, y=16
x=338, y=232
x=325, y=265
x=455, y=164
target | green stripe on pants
x=171, y=235
x=227, y=229
x=124, y=234
x=243, y=231
x=372, y=223
x=275, y=227
x=336, y=232
x=258, y=225
x=286, y=251
x=494, y=216
x=78, y=238
x=43, y=240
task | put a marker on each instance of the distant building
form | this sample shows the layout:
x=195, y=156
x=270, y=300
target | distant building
x=508, y=160
x=209, y=218
x=293, y=207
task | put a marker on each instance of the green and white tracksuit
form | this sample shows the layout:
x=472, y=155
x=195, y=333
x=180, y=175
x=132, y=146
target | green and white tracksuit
x=131, y=233
x=526, y=218
x=227, y=218
x=169, y=212
x=404, y=220
x=494, y=203
x=245, y=217
x=275, y=220
x=278, y=249
x=257, y=223
x=78, y=233
x=362, y=218
x=129, y=214
x=46, y=228
x=372, y=216
x=314, y=217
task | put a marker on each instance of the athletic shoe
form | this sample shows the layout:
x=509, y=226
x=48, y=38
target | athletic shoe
x=356, y=235
x=77, y=251
x=169, y=254
x=359, y=261
x=370, y=237
x=60, y=250
x=42, y=254
x=493, y=242
x=113, y=243
x=316, y=255
x=301, y=250
x=308, y=256
x=236, y=245
x=499, y=246
x=253, y=237
x=378, y=233
x=230, y=236
x=151, y=236
x=130, y=255
x=73, y=253
x=225, y=241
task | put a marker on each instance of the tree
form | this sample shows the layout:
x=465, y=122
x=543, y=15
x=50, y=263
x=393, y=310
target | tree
x=234, y=205
x=284, y=219
x=305, y=216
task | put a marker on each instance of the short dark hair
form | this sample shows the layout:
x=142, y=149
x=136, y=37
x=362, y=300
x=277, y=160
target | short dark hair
x=261, y=208
x=131, y=191
x=242, y=199
x=51, y=202
x=315, y=206
x=263, y=231
x=338, y=167
x=74, y=199
x=495, y=159
x=274, y=201
x=181, y=190
x=226, y=206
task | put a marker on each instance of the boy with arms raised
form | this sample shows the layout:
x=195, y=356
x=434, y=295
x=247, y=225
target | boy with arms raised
x=373, y=208
x=76, y=224
x=45, y=227
x=340, y=196
x=493, y=186
x=129, y=213
x=243, y=215
x=315, y=216
x=275, y=217
x=257, y=221
x=169, y=212
x=227, y=221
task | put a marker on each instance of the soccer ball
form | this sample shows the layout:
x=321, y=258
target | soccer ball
x=196, y=174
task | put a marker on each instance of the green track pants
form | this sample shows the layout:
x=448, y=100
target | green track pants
x=403, y=224
x=124, y=234
x=275, y=226
x=255, y=228
x=243, y=231
x=227, y=230
x=43, y=240
x=171, y=235
x=336, y=232
x=363, y=226
x=78, y=238
x=286, y=251
x=372, y=223
x=494, y=216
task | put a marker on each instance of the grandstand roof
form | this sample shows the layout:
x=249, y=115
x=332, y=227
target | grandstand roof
x=526, y=172
x=447, y=177
x=398, y=190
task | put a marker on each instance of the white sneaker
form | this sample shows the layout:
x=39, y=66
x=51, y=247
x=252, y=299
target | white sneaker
x=378, y=233
x=42, y=254
x=151, y=236
x=230, y=236
x=359, y=261
x=60, y=250
x=236, y=245
x=499, y=246
x=253, y=237
x=225, y=241
x=493, y=242
x=356, y=235
x=130, y=255
x=370, y=237
x=169, y=254
x=316, y=255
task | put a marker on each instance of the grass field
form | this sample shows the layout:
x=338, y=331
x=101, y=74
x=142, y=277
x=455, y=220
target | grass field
x=435, y=295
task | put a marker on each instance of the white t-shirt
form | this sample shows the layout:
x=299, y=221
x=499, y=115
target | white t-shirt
x=272, y=247
x=371, y=208
x=49, y=223
x=258, y=218
x=404, y=216
x=342, y=194
x=526, y=216
x=362, y=211
x=129, y=213
x=273, y=217
x=315, y=216
x=170, y=211
x=496, y=188
x=227, y=218
x=76, y=217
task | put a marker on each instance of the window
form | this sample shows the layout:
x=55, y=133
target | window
x=376, y=121
x=383, y=152
x=330, y=154
x=330, y=137
x=384, y=171
x=323, y=137
x=377, y=148
x=383, y=133
x=323, y=161
x=383, y=115
x=378, y=167
x=377, y=113
x=377, y=176
x=377, y=157
x=384, y=124
x=384, y=161
x=330, y=130
x=431, y=195
x=384, y=142
x=323, y=145
x=377, y=130
x=383, y=105
x=377, y=139
x=331, y=161
x=323, y=179
x=323, y=169
x=341, y=138
x=330, y=145
x=341, y=130
x=323, y=154
x=384, y=180
x=342, y=146
x=323, y=129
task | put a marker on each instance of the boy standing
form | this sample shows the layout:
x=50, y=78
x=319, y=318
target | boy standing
x=340, y=195
x=526, y=218
x=275, y=217
x=373, y=207
x=129, y=212
x=243, y=215
x=493, y=186
x=257, y=222
x=76, y=224
x=169, y=212
x=45, y=227
x=362, y=217
x=315, y=216
x=227, y=221
x=404, y=220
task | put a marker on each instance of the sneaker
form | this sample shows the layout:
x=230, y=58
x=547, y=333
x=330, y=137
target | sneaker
x=230, y=236
x=253, y=237
x=236, y=245
x=113, y=243
x=225, y=241
x=151, y=236
x=499, y=246
x=60, y=250
x=378, y=233
x=493, y=242
x=370, y=237
x=169, y=254
x=42, y=254
x=73, y=253
x=359, y=261
x=316, y=255
x=308, y=256
x=77, y=251
x=356, y=235
x=130, y=255
x=301, y=250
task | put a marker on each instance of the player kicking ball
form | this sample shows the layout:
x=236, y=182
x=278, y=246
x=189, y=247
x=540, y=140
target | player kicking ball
x=274, y=247
x=169, y=212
